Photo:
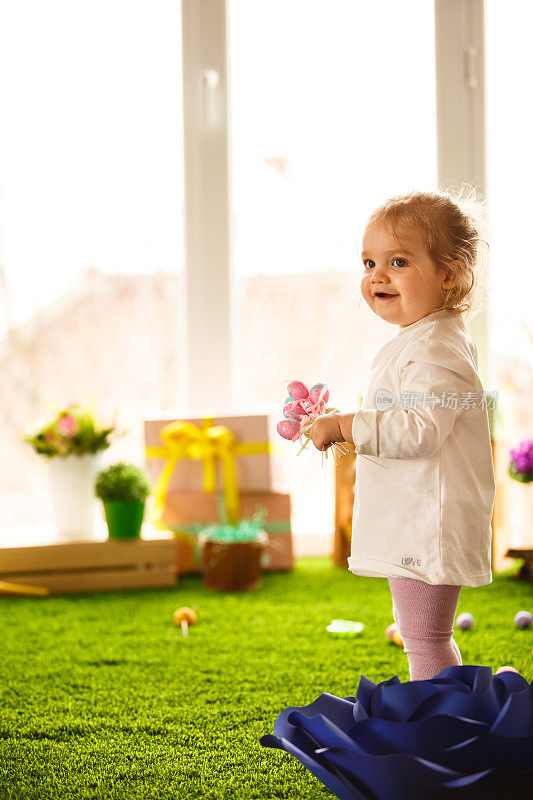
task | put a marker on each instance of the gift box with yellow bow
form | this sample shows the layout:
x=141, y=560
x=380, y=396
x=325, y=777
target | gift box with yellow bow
x=216, y=469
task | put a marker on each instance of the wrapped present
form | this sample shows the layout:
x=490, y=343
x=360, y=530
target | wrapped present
x=188, y=513
x=213, y=458
x=195, y=446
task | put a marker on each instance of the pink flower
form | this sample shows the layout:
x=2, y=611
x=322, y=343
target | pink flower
x=67, y=426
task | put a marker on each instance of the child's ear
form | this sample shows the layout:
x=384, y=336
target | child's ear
x=450, y=273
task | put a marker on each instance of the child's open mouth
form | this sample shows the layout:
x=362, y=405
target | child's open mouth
x=384, y=296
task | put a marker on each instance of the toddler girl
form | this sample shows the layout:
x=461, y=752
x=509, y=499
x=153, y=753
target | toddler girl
x=424, y=494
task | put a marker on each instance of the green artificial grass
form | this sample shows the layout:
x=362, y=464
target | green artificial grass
x=102, y=697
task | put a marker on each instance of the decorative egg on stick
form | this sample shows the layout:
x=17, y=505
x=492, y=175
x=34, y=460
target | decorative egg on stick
x=298, y=390
x=294, y=410
x=319, y=392
x=301, y=408
x=289, y=429
x=185, y=616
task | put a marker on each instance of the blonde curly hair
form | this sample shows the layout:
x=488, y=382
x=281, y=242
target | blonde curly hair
x=453, y=225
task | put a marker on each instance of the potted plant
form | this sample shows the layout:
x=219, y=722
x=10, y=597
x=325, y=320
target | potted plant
x=72, y=440
x=231, y=554
x=123, y=489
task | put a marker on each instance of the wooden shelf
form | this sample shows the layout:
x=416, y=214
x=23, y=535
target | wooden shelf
x=92, y=565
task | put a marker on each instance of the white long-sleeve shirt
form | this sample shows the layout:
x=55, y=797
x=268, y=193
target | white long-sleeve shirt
x=424, y=494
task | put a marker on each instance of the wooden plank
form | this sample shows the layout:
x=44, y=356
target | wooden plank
x=84, y=555
x=101, y=581
x=526, y=553
x=17, y=588
x=344, y=499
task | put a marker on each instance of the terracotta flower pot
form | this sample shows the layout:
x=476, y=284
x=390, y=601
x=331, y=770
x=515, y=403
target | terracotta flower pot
x=232, y=566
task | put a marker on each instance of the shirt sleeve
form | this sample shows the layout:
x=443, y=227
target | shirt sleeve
x=432, y=380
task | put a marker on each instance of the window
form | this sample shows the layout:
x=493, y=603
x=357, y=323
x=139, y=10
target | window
x=331, y=113
x=91, y=223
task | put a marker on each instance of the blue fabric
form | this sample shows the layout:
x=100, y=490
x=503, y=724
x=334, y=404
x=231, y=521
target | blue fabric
x=465, y=734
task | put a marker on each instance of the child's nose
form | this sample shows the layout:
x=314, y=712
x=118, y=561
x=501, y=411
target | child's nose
x=379, y=276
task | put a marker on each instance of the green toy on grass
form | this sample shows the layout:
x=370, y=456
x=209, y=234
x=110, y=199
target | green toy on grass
x=345, y=627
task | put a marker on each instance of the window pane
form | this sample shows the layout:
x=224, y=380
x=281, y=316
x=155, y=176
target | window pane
x=332, y=112
x=509, y=179
x=91, y=223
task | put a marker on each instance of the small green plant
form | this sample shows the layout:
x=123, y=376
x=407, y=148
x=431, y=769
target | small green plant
x=122, y=483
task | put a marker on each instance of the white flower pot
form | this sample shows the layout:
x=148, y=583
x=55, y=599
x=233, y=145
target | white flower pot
x=72, y=481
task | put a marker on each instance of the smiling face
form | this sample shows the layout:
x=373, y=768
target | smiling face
x=404, y=271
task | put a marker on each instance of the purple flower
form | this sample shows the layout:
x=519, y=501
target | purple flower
x=521, y=463
x=465, y=734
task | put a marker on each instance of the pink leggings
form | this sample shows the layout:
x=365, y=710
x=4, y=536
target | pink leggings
x=424, y=614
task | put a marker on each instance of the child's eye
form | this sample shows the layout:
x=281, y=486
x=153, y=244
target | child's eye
x=369, y=264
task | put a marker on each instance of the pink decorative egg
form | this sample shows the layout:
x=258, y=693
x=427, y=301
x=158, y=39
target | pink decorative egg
x=289, y=412
x=297, y=390
x=506, y=669
x=288, y=428
x=293, y=410
x=314, y=394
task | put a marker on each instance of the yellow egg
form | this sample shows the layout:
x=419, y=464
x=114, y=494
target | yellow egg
x=397, y=639
x=389, y=632
x=185, y=613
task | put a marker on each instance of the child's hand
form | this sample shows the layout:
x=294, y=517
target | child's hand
x=325, y=430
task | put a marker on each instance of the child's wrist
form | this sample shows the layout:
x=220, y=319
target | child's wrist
x=345, y=422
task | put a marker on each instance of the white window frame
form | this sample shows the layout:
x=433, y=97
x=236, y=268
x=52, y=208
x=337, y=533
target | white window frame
x=211, y=306
x=209, y=289
x=461, y=121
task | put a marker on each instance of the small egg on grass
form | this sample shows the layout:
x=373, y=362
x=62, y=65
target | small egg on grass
x=393, y=634
x=465, y=621
x=523, y=619
x=185, y=616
